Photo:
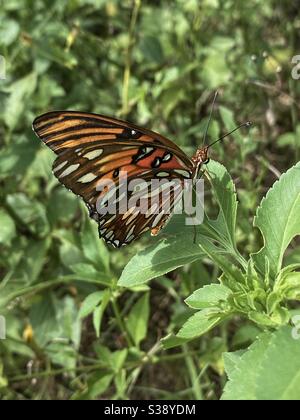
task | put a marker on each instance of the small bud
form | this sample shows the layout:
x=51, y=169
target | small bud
x=28, y=334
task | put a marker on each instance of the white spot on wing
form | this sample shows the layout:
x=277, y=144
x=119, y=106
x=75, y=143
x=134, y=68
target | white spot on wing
x=130, y=238
x=93, y=154
x=70, y=170
x=87, y=178
x=60, y=166
x=167, y=157
x=131, y=218
x=182, y=172
x=130, y=234
x=162, y=174
x=110, y=235
x=157, y=219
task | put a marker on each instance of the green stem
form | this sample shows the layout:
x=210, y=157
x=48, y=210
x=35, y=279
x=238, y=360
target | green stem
x=193, y=374
x=121, y=323
x=43, y=286
x=128, y=57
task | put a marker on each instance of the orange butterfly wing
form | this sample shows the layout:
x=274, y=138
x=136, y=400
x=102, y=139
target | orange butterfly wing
x=94, y=149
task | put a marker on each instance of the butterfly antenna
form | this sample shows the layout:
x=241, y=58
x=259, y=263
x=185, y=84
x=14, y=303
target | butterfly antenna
x=247, y=124
x=210, y=117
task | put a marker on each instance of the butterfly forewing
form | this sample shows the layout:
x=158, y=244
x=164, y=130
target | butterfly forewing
x=95, y=151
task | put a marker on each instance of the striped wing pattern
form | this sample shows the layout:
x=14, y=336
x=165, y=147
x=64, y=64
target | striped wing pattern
x=93, y=150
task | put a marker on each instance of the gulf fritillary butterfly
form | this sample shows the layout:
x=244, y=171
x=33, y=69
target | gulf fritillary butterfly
x=91, y=148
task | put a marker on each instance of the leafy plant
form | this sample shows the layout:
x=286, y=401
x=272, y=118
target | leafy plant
x=258, y=289
x=83, y=321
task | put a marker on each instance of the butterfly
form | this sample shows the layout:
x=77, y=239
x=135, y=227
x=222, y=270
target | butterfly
x=95, y=150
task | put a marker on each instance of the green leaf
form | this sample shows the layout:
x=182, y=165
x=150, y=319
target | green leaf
x=200, y=323
x=30, y=213
x=9, y=31
x=291, y=285
x=20, y=90
x=43, y=320
x=89, y=273
x=227, y=116
x=278, y=219
x=8, y=228
x=151, y=49
x=231, y=361
x=118, y=359
x=223, y=228
x=262, y=319
x=52, y=319
x=208, y=296
x=269, y=370
x=90, y=303
x=159, y=259
x=70, y=255
x=233, y=277
x=97, y=385
x=99, y=311
x=215, y=70
x=32, y=261
x=243, y=373
x=62, y=354
x=62, y=206
x=17, y=157
x=171, y=341
x=137, y=322
x=93, y=247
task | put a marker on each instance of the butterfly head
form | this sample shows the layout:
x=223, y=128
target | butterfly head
x=201, y=156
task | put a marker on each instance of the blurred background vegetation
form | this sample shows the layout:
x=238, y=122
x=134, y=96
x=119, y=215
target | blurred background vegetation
x=156, y=63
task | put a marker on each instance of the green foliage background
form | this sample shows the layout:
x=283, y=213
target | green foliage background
x=72, y=332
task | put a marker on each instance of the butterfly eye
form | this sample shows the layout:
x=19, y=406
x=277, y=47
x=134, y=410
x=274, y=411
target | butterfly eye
x=206, y=161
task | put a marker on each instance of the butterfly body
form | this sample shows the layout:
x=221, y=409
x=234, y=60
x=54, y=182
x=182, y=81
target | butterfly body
x=98, y=156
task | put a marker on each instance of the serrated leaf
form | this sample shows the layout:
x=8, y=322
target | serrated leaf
x=269, y=370
x=231, y=361
x=244, y=372
x=278, y=219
